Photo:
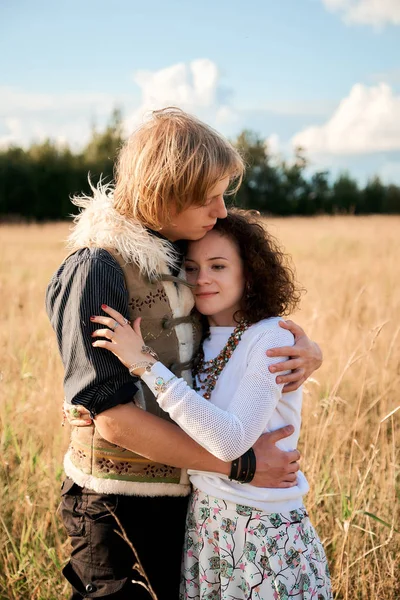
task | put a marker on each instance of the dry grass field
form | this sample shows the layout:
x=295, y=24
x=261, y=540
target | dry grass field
x=350, y=267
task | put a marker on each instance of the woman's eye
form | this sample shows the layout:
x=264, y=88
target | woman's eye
x=190, y=269
x=218, y=267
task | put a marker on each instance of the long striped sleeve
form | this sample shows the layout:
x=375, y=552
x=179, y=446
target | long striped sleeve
x=93, y=377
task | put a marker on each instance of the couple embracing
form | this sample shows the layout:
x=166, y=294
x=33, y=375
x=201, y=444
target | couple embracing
x=182, y=384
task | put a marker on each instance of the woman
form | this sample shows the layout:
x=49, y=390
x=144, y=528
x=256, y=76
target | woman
x=241, y=542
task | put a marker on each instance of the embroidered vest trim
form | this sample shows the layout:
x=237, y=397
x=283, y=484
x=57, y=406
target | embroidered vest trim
x=164, y=303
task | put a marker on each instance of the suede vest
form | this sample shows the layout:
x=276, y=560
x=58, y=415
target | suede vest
x=165, y=305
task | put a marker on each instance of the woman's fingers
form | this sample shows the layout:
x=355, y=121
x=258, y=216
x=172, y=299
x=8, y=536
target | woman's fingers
x=114, y=320
x=104, y=344
x=107, y=333
x=125, y=343
x=107, y=321
x=114, y=314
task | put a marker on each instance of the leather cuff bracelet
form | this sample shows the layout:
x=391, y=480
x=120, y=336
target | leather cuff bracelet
x=243, y=469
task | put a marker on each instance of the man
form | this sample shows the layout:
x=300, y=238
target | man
x=128, y=245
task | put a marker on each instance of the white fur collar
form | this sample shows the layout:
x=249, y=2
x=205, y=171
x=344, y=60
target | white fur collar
x=99, y=225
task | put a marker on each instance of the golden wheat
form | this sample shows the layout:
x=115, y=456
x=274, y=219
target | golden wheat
x=350, y=267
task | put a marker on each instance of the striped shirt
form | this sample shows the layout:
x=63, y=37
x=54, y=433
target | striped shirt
x=90, y=277
x=93, y=377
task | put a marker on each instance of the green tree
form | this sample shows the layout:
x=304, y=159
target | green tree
x=346, y=195
x=261, y=185
x=102, y=147
x=37, y=183
x=295, y=194
x=373, y=197
x=392, y=200
x=321, y=193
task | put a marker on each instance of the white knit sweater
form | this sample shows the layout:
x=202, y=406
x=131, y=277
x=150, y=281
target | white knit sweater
x=245, y=402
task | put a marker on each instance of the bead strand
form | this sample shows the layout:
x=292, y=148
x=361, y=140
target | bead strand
x=208, y=372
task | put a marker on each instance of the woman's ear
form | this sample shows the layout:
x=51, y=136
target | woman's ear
x=248, y=289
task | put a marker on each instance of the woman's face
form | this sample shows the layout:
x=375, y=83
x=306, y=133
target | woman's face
x=214, y=266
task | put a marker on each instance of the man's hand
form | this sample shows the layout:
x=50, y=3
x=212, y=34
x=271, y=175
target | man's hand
x=275, y=468
x=305, y=357
x=76, y=415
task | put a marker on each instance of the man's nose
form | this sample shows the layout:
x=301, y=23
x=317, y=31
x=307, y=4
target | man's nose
x=219, y=209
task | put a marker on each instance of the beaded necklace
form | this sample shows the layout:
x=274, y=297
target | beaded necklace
x=209, y=371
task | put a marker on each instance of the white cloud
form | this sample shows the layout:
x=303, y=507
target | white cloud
x=367, y=12
x=225, y=115
x=299, y=107
x=23, y=131
x=273, y=144
x=194, y=87
x=31, y=116
x=368, y=120
x=391, y=76
x=13, y=129
x=18, y=100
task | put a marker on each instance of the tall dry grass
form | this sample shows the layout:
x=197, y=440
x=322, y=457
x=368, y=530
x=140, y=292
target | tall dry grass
x=350, y=267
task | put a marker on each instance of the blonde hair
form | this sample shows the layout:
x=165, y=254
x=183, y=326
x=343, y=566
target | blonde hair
x=173, y=160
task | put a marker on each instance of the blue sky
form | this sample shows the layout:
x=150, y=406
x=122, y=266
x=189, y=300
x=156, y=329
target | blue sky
x=321, y=73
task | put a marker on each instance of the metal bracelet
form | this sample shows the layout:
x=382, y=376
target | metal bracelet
x=144, y=364
x=149, y=350
x=161, y=386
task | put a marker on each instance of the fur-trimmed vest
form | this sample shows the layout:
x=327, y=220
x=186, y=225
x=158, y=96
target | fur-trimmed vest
x=164, y=302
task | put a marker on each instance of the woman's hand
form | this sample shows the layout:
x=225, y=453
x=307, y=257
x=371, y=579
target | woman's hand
x=122, y=340
x=304, y=358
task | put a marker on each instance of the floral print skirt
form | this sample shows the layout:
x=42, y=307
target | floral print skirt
x=236, y=552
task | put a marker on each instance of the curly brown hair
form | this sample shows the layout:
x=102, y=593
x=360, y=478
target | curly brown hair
x=271, y=289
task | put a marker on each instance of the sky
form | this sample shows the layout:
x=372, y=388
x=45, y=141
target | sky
x=323, y=74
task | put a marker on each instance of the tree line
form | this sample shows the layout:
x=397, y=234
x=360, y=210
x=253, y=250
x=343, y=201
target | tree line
x=37, y=183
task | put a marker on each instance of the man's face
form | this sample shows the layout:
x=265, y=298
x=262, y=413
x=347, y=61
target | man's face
x=194, y=222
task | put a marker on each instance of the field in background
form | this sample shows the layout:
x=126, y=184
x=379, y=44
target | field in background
x=350, y=267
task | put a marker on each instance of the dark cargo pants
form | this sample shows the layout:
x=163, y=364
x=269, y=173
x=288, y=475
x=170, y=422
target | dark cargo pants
x=101, y=561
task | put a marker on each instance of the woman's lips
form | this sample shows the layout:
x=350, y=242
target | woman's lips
x=206, y=294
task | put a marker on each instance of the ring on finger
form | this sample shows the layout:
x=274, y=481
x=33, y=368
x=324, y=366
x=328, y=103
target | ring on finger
x=74, y=412
x=115, y=325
